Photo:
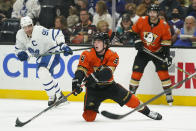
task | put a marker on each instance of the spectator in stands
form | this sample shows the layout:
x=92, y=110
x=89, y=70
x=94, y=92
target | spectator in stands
x=176, y=19
x=91, y=6
x=141, y=9
x=192, y=9
x=73, y=17
x=123, y=34
x=103, y=26
x=168, y=5
x=83, y=31
x=6, y=8
x=130, y=8
x=23, y=8
x=61, y=23
x=184, y=4
x=102, y=14
x=83, y=4
x=187, y=35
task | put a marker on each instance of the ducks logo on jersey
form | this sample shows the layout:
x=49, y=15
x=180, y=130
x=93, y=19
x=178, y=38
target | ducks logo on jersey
x=149, y=38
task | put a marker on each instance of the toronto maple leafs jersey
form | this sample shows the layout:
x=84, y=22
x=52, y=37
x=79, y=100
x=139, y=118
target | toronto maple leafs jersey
x=43, y=40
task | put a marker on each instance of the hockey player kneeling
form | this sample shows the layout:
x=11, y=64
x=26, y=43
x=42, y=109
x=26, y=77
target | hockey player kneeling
x=35, y=41
x=96, y=68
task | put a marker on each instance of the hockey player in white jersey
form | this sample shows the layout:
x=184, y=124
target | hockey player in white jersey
x=34, y=41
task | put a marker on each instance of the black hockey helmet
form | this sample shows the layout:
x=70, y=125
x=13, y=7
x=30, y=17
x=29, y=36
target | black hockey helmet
x=102, y=36
x=154, y=7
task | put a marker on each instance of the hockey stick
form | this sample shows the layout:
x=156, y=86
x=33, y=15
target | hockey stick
x=117, y=116
x=64, y=51
x=20, y=124
x=165, y=61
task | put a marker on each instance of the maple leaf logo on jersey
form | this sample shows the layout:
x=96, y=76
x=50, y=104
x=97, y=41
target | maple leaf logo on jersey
x=149, y=38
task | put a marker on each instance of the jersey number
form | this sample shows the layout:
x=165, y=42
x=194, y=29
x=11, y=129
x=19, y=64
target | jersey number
x=45, y=32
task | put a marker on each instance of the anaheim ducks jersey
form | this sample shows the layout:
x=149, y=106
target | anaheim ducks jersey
x=153, y=37
x=89, y=62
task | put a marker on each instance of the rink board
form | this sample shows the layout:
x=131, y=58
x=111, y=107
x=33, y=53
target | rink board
x=19, y=79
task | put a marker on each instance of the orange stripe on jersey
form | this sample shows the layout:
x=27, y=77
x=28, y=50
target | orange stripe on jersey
x=136, y=75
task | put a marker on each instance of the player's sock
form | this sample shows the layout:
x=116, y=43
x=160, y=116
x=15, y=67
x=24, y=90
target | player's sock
x=133, y=89
x=169, y=97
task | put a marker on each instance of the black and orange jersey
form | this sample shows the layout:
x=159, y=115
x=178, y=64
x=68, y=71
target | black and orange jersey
x=153, y=37
x=89, y=62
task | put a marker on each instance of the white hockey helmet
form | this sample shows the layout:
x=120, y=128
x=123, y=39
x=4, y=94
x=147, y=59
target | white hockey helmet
x=25, y=21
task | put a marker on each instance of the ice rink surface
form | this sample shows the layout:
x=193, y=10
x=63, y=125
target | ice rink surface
x=69, y=118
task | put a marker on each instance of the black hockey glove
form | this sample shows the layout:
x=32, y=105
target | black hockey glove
x=91, y=80
x=76, y=86
x=166, y=55
x=139, y=45
x=169, y=60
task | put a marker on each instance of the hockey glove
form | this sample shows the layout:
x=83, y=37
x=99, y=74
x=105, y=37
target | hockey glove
x=139, y=45
x=76, y=86
x=22, y=56
x=166, y=55
x=91, y=80
x=169, y=61
x=67, y=50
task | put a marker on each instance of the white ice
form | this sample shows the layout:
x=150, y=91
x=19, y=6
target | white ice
x=69, y=118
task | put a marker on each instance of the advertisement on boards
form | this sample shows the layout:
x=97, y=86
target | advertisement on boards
x=23, y=75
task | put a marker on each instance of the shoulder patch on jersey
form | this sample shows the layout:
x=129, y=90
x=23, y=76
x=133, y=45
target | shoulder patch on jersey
x=116, y=61
x=82, y=58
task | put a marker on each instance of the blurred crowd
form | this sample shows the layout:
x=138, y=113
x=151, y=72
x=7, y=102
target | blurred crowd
x=80, y=19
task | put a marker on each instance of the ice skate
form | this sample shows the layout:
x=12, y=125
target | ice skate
x=151, y=114
x=52, y=100
x=154, y=115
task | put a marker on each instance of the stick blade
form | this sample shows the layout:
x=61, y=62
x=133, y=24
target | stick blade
x=111, y=115
x=19, y=123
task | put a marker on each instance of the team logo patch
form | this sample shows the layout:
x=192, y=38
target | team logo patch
x=149, y=38
x=136, y=67
x=82, y=58
x=91, y=104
